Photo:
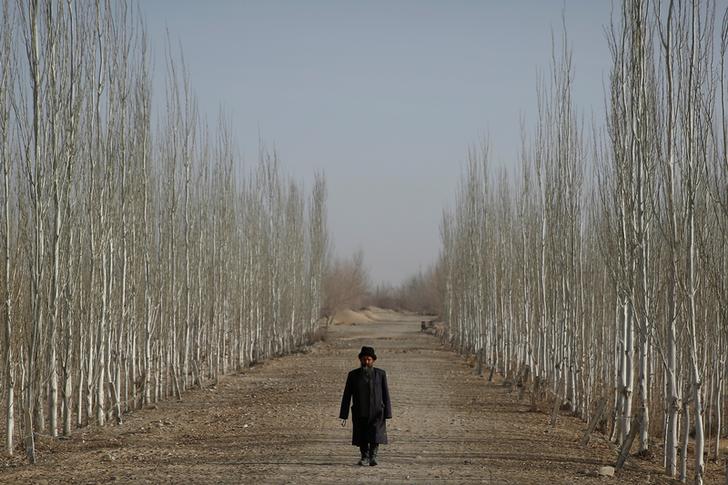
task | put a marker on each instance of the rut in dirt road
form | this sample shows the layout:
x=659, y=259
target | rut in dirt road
x=277, y=423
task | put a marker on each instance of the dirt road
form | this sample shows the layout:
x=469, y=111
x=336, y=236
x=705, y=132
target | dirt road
x=277, y=423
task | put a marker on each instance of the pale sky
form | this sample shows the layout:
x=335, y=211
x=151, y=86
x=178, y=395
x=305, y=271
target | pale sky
x=384, y=97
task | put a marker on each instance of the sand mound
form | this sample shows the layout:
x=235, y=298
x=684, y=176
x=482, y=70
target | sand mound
x=380, y=314
x=347, y=317
x=366, y=315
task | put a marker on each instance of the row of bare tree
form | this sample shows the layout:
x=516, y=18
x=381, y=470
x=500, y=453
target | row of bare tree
x=139, y=259
x=601, y=265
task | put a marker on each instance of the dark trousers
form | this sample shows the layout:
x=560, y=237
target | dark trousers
x=368, y=448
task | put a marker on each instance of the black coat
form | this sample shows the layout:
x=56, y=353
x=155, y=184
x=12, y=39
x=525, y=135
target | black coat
x=380, y=407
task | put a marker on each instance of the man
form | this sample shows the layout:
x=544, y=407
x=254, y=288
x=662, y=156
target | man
x=368, y=387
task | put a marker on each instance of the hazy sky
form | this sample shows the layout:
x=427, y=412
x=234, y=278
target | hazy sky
x=384, y=96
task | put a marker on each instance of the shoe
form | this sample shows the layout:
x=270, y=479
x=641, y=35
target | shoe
x=364, y=461
x=373, y=455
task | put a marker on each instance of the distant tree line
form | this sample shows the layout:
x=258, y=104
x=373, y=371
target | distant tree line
x=348, y=285
x=138, y=261
x=420, y=293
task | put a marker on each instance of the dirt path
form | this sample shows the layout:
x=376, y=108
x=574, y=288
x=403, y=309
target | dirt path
x=277, y=423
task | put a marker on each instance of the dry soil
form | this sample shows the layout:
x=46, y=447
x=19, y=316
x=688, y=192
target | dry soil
x=277, y=423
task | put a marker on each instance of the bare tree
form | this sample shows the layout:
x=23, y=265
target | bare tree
x=6, y=84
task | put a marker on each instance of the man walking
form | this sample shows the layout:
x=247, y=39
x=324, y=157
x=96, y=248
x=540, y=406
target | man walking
x=368, y=388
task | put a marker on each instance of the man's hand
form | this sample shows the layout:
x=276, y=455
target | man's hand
x=343, y=423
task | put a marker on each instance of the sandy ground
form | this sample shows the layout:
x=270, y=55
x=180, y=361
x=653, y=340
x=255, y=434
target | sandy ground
x=277, y=423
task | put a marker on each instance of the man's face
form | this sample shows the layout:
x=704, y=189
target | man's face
x=366, y=360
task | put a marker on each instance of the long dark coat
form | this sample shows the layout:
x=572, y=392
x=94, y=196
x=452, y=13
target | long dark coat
x=380, y=407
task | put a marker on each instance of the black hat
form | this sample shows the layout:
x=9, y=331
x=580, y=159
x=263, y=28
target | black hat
x=367, y=351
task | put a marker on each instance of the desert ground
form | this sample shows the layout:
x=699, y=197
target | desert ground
x=277, y=422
